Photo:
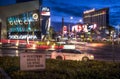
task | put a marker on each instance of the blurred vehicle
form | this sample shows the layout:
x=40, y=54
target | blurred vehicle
x=71, y=54
x=61, y=42
x=117, y=39
x=106, y=39
x=6, y=44
x=22, y=46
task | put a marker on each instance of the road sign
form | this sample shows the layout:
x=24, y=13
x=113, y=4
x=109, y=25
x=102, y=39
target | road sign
x=32, y=61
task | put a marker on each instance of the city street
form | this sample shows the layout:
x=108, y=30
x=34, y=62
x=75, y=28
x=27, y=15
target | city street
x=100, y=51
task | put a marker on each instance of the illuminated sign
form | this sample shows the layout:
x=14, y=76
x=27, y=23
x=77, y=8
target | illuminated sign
x=77, y=28
x=22, y=36
x=64, y=29
x=45, y=11
x=90, y=27
x=84, y=28
x=24, y=22
x=35, y=16
x=18, y=22
x=88, y=11
x=102, y=13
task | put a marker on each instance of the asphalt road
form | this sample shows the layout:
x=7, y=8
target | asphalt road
x=101, y=52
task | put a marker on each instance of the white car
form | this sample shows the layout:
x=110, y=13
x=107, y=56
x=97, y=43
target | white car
x=71, y=54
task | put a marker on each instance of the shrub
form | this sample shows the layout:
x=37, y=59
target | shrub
x=58, y=69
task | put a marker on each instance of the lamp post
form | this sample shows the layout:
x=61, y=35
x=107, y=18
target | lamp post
x=112, y=35
x=80, y=20
x=71, y=18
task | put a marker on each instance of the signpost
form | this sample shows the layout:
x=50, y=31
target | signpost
x=32, y=61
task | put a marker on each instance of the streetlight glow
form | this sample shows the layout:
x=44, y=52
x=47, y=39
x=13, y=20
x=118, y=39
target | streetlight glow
x=71, y=17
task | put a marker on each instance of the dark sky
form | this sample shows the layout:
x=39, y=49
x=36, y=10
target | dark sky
x=6, y=2
x=75, y=8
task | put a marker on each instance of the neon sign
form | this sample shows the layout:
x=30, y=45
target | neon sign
x=84, y=28
x=18, y=22
x=24, y=22
x=22, y=36
x=88, y=11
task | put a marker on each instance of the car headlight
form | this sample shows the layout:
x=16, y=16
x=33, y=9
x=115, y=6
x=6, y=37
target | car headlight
x=34, y=46
x=91, y=56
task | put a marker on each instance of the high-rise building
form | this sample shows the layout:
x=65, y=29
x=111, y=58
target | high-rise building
x=99, y=17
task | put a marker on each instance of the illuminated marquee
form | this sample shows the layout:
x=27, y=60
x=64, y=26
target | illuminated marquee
x=35, y=16
x=84, y=28
x=45, y=11
x=19, y=26
x=22, y=36
x=88, y=11
x=18, y=22
x=23, y=22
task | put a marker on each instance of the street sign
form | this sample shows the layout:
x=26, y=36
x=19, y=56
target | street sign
x=32, y=61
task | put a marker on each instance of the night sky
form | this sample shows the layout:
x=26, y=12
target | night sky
x=75, y=8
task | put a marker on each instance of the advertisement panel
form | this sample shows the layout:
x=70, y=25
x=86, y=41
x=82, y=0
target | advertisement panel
x=45, y=20
x=84, y=27
x=22, y=25
x=45, y=11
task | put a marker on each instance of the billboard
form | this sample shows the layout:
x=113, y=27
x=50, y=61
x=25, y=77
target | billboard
x=23, y=24
x=84, y=28
x=45, y=11
x=45, y=20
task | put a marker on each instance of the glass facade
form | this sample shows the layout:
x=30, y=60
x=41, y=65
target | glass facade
x=24, y=24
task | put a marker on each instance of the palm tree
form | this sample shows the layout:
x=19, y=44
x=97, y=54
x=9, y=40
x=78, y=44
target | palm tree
x=110, y=29
x=51, y=32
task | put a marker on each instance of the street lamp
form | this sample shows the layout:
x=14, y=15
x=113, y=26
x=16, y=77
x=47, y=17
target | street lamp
x=112, y=34
x=71, y=18
x=80, y=21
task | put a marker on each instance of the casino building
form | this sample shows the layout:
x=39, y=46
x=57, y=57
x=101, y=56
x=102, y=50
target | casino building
x=100, y=18
x=22, y=20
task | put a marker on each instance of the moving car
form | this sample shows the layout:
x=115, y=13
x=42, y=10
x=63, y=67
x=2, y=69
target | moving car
x=71, y=54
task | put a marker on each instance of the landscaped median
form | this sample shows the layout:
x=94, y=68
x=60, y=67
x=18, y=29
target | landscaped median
x=44, y=45
x=58, y=69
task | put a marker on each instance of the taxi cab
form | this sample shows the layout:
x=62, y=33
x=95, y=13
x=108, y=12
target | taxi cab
x=71, y=54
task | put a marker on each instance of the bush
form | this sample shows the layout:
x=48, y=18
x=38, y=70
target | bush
x=58, y=69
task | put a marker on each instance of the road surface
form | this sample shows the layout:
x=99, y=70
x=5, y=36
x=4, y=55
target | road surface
x=100, y=51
